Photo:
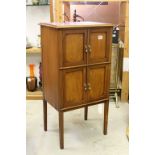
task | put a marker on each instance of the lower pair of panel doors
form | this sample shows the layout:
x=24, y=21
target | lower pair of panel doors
x=84, y=85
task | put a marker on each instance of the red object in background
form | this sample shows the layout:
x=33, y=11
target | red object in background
x=40, y=74
x=31, y=81
x=31, y=66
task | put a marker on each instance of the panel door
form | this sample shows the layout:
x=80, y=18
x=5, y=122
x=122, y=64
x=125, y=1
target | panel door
x=99, y=45
x=73, y=87
x=73, y=47
x=98, y=82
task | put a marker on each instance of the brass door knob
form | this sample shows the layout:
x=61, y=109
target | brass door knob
x=89, y=48
x=89, y=86
x=86, y=49
x=85, y=86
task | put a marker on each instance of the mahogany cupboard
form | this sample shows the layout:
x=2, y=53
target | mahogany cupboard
x=76, y=61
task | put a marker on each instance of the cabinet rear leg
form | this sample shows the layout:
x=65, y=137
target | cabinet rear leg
x=61, y=130
x=85, y=113
x=45, y=114
x=106, y=109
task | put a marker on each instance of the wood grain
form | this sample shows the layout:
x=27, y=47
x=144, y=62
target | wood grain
x=106, y=111
x=86, y=113
x=51, y=11
x=99, y=41
x=58, y=14
x=50, y=65
x=125, y=87
x=73, y=43
x=98, y=45
x=96, y=79
x=61, y=129
x=125, y=78
x=70, y=79
x=74, y=48
x=74, y=80
x=45, y=114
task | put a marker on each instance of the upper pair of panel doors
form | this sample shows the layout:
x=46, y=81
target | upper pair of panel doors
x=86, y=46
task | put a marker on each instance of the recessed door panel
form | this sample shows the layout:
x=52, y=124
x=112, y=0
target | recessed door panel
x=97, y=82
x=73, y=87
x=73, y=47
x=99, y=41
x=98, y=45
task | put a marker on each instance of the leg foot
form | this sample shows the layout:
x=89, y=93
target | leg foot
x=85, y=113
x=106, y=109
x=45, y=114
x=61, y=130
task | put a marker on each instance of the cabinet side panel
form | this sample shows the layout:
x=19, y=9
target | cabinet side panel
x=109, y=66
x=49, y=42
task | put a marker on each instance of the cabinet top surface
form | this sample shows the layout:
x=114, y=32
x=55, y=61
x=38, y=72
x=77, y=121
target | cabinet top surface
x=76, y=24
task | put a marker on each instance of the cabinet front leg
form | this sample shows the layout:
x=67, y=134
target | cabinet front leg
x=106, y=109
x=61, y=130
x=45, y=114
x=85, y=113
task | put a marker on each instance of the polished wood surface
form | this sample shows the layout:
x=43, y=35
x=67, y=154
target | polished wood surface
x=74, y=48
x=57, y=13
x=76, y=69
x=106, y=111
x=73, y=44
x=61, y=129
x=97, y=82
x=98, y=45
x=64, y=25
x=99, y=42
x=73, y=88
x=45, y=114
x=50, y=63
x=86, y=113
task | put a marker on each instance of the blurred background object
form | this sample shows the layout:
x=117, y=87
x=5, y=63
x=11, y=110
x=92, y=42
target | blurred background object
x=31, y=81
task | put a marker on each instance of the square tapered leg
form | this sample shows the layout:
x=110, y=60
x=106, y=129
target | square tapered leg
x=61, y=130
x=85, y=113
x=45, y=114
x=106, y=110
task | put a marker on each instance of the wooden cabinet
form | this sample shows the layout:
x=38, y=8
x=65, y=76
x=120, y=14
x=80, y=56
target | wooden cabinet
x=76, y=61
